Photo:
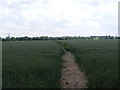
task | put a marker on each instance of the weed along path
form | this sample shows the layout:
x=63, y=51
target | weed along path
x=72, y=77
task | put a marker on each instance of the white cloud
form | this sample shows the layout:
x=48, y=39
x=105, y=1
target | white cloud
x=59, y=17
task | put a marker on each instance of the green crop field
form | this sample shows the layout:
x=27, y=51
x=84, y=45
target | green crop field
x=31, y=64
x=38, y=64
x=98, y=59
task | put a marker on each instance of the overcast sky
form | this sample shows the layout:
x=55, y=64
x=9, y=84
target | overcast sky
x=58, y=17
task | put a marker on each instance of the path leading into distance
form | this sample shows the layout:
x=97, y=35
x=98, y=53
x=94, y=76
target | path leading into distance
x=72, y=77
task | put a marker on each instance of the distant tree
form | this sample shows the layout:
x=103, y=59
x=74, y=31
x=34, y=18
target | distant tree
x=25, y=38
x=118, y=38
x=17, y=38
x=3, y=39
x=112, y=37
x=13, y=38
x=46, y=38
x=42, y=37
x=7, y=39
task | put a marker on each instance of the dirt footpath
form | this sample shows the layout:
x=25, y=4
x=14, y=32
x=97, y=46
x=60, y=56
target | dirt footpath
x=72, y=77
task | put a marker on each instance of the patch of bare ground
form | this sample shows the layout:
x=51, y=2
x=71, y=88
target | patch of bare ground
x=72, y=77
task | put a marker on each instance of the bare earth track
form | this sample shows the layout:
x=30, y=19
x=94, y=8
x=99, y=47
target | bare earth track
x=72, y=77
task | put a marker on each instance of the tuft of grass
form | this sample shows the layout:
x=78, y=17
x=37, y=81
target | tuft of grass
x=31, y=64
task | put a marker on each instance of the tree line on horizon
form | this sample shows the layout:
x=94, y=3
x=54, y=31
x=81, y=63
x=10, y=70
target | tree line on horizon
x=56, y=38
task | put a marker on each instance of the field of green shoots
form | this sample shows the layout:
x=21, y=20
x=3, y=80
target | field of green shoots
x=98, y=60
x=31, y=64
x=38, y=64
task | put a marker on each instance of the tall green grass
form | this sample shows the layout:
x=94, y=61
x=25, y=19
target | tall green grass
x=99, y=60
x=31, y=64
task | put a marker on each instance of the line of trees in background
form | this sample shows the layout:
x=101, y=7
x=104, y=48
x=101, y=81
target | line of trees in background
x=56, y=38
